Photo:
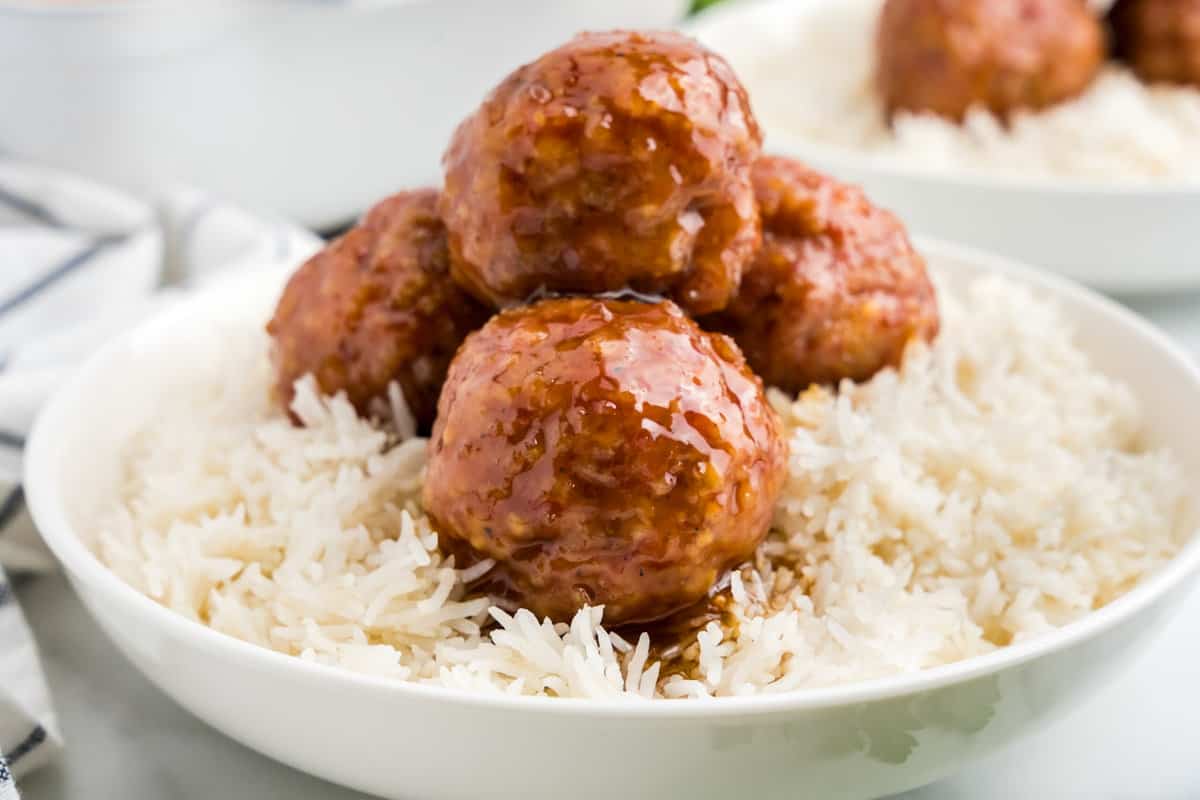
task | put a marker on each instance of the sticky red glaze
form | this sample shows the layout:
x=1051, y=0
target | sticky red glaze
x=603, y=452
x=1159, y=38
x=375, y=306
x=619, y=160
x=837, y=289
x=945, y=56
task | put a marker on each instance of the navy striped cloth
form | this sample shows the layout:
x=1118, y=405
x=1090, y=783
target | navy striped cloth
x=78, y=264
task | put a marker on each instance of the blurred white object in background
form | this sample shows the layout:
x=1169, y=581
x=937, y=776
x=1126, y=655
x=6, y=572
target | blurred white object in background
x=312, y=108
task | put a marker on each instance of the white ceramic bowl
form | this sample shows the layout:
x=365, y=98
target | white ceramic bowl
x=1118, y=236
x=310, y=108
x=403, y=741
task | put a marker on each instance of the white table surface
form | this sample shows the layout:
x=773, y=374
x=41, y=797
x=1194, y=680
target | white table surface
x=1138, y=739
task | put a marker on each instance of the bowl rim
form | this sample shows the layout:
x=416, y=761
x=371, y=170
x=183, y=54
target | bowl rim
x=705, y=26
x=47, y=507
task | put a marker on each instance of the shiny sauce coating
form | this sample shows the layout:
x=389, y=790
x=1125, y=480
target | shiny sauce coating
x=837, y=290
x=618, y=161
x=603, y=452
x=374, y=306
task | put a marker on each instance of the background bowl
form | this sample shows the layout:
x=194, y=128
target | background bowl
x=402, y=741
x=310, y=108
x=1120, y=236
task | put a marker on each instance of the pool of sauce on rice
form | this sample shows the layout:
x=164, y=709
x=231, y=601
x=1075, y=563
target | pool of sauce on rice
x=672, y=639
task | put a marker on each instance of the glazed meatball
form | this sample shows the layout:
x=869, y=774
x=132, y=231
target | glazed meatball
x=1159, y=38
x=602, y=452
x=376, y=306
x=620, y=160
x=837, y=289
x=947, y=56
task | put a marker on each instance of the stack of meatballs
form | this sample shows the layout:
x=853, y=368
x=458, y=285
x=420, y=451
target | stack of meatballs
x=585, y=317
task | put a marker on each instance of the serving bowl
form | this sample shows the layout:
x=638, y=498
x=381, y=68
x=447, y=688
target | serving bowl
x=309, y=108
x=1120, y=236
x=407, y=741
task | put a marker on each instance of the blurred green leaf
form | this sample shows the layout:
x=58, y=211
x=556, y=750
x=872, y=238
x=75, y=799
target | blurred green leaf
x=700, y=5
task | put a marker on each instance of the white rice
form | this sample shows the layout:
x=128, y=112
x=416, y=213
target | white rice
x=811, y=77
x=990, y=491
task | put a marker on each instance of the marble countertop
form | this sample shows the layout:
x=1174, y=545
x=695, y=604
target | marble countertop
x=127, y=740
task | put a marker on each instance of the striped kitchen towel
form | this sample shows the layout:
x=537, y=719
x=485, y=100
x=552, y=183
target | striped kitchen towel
x=79, y=263
x=28, y=732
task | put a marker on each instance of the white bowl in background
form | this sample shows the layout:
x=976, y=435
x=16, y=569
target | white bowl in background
x=1119, y=236
x=311, y=108
x=406, y=741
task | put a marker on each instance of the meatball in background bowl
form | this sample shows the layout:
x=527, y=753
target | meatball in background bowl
x=1160, y=39
x=401, y=740
x=1004, y=55
x=1113, y=232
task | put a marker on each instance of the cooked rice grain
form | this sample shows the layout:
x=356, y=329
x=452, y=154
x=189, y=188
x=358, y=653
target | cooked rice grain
x=993, y=489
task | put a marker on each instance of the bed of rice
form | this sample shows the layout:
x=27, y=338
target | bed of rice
x=992, y=489
x=814, y=79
